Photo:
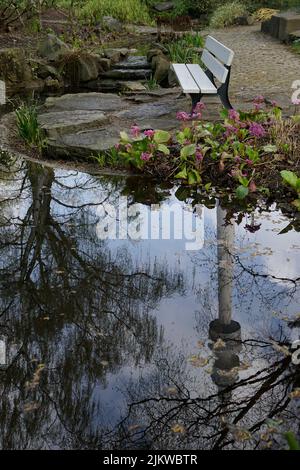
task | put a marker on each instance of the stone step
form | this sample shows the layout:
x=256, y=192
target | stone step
x=127, y=74
x=133, y=62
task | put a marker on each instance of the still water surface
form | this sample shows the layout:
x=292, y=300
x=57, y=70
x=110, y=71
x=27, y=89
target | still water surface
x=110, y=343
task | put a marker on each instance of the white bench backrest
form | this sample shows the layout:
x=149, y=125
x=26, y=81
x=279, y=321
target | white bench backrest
x=215, y=54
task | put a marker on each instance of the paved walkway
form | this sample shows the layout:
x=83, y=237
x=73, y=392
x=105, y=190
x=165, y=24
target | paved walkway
x=262, y=65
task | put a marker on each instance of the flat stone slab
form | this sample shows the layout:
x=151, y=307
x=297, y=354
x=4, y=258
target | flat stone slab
x=79, y=125
x=64, y=122
x=127, y=74
x=85, y=101
x=133, y=62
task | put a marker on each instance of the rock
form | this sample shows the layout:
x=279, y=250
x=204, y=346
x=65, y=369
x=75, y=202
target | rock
x=152, y=53
x=127, y=74
x=66, y=122
x=53, y=83
x=52, y=48
x=87, y=123
x=112, y=24
x=115, y=54
x=80, y=67
x=44, y=70
x=84, y=102
x=132, y=86
x=245, y=20
x=16, y=73
x=105, y=63
x=172, y=79
x=133, y=62
x=165, y=6
x=160, y=67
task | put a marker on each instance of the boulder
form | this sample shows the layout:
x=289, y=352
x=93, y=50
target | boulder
x=52, y=48
x=245, y=20
x=44, y=70
x=116, y=54
x=112, y=24
x=80, y=67
x=164, y=6
x=160, y=67
x=15, y=71
x=104, y=63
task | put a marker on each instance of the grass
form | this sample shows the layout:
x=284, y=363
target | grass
x=296, y=46
x=151, y=84
x=185, y=49
x=28, y=126
x=130, y=11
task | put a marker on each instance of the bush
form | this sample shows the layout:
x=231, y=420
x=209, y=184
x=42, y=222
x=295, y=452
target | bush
x=186, y=49
x=227, y=14
x=195, y=7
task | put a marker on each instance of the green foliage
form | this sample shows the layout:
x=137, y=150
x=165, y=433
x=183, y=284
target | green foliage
x=236, y=150
x=28, y=126
x=133, y=11
x=185, y=49
x=195, y=7
x=292, y=441
x=151, y=84
x=226, y=14
x=291, y=179
x=296, y=46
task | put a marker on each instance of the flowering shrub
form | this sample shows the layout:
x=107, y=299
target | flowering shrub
x=234, y=150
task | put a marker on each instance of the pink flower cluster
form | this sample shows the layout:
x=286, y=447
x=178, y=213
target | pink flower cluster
x=296, y=102
x=196, y=114
x=146, y=156
x=257, y=130
x=135, y=131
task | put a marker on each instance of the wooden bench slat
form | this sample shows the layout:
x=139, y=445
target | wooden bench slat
x=223, y=53
x=186, y=81
x=217, y=69
x=202, y=80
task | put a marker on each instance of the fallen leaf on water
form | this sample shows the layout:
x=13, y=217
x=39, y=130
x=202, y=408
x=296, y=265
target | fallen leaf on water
x=31, y=406
x=46, y=318
x=198, y=361
x=200, y=344
x=282, y=349
x=178, y=428
x=104, y=363
x=241, y=435
x=295, y=393
x=133, y=427
x=219, y=344
x=172, y=390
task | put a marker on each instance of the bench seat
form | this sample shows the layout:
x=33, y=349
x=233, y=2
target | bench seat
x=193, y=79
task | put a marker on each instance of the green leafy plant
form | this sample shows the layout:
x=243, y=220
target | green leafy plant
x=28, y=126
x=151, y=84
x=292, y=441
x=291, y=179
x=185, y=49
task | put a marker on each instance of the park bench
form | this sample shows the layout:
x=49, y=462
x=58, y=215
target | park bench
x=197, y=82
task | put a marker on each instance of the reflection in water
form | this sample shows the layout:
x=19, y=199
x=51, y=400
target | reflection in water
x=126, y=344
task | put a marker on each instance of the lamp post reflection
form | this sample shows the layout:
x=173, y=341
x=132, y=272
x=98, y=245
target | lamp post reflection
x=225, y=332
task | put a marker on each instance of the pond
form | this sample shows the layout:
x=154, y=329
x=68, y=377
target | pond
x=108, y=322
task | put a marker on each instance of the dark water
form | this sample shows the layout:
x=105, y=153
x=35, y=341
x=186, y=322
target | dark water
x=110, y=343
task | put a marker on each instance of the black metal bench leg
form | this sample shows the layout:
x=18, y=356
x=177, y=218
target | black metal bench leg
x=196, y=98
x=223, y=92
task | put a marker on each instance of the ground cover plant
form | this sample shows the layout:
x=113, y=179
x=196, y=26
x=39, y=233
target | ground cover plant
x=244, y=152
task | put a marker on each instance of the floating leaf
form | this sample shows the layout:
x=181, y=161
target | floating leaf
x=295, y=393
x=198, y=361
x=219, y=344
x=178, y=429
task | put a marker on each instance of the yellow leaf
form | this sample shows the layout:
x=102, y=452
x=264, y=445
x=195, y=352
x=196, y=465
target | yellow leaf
x=178, y=428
